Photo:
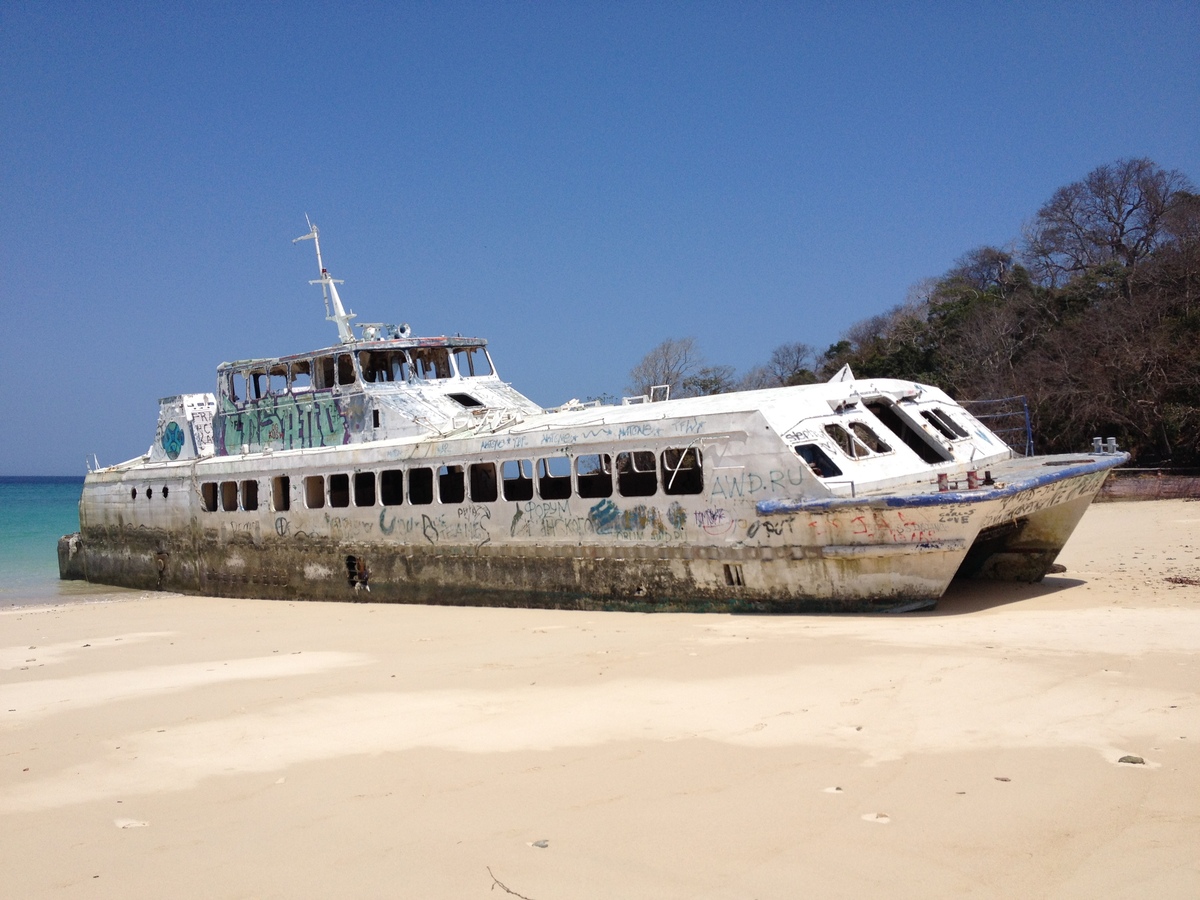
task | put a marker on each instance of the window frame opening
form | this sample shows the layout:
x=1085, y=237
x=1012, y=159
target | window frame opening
x=637, y=473
x=364, y=488
x=945, y=425
x=593, y=475
x=249, y=491
x=420, y=486
x=554, y=477
x=281, y=493
x=817, y=460
x=518, y=486
x=229, y=496
x=475, y=359
x=451, y=484
x=391, y=487
x=300, y=378
x=680, y=478
x=482, y=482
x=314, y=491
x=907, y=431
x=337, y=490
x=431, y=363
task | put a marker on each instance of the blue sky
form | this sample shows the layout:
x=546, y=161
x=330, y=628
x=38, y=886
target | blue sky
x=573, y=181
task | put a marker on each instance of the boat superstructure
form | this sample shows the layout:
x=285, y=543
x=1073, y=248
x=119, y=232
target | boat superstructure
x=404, y=466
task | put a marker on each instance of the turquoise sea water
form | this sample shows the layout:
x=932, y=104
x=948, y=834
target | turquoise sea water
x=34, y=513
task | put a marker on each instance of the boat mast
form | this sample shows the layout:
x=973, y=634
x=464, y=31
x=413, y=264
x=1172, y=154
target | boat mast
x=329, y=288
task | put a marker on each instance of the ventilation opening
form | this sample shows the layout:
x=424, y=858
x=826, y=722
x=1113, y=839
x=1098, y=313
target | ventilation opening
x=733, y=575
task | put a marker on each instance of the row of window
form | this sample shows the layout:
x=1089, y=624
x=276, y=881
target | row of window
x=857, y=440
x=637, y=473
x=343, y=369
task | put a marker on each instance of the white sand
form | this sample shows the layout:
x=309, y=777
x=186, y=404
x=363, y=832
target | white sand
x=169, y=746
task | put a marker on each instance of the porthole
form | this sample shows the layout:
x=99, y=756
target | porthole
x=166, y=490
x=149, y=493
x=133, y=494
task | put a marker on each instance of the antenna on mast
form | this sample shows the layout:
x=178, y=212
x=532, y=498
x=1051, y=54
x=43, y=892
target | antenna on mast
x=329, y=287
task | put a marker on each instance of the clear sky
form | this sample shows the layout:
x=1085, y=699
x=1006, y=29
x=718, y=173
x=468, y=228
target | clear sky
x=573, y=181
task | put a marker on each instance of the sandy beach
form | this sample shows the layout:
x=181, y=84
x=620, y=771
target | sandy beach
x=157, y=745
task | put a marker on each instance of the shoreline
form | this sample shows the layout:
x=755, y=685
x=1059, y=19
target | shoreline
x=211, y=747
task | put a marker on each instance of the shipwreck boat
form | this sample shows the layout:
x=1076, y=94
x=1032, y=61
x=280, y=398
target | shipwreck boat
x=405, y=467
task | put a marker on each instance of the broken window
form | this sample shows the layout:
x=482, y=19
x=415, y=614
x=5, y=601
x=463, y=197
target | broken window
x=431, y=362
x=364, y=488
x=846, y=442
x=250, y=495
x=277, y=376
x=324, y=373
x=208, y=496
x=472, y=361
x=483, y=482
x=260, y=386
x=391, y=487
x=465, y=400
x=943, y=423
x=873, y=442
x=637, y=474
x=683, y=472
x=345, y=369
x=339, y=490
x=237, y=387
x=817, y=460
x=281, y=493
x=229, y=494
x=915, y=439
x=554, y=478
x=420, y=486
x=314, y=492
x=301, y=375
x=452, y=486
x=593, y=475
x=517, y=475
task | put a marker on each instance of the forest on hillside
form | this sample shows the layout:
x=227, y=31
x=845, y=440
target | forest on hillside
x=1092, y=316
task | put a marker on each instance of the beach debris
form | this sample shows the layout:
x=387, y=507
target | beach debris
x=1132, y=760
x=833, y=790
x=1003, y=778
x=541, y=845
x=496, y=882
x=878, y=818
x=1183, y=579
x=130, y=823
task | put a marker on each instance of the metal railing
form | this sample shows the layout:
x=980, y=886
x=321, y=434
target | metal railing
x=1007, y=417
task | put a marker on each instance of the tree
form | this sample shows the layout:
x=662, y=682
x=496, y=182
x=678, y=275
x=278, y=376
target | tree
x=793, y=363
x=1115, y=214
x=669, y=363
x=708, y=380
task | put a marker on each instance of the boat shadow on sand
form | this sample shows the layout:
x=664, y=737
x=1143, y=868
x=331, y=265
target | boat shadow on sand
x=965, y=596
